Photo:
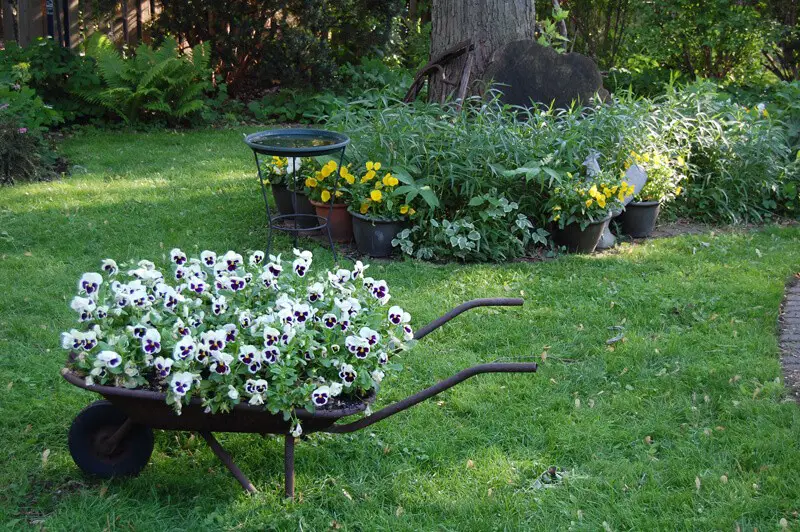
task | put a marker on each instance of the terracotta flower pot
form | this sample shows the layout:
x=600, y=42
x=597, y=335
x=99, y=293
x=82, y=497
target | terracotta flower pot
x=579, y=240
x=374, y=236
x=639, y=218
x=340, y=222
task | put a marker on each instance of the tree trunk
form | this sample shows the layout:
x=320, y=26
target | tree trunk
x=490, y=24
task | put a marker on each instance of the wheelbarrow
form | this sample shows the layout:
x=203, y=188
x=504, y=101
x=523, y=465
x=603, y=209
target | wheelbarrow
x=114, y=437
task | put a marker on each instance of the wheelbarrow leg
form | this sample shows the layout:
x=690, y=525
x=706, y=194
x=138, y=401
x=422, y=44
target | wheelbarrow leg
x=288, y=465
x=226, y=459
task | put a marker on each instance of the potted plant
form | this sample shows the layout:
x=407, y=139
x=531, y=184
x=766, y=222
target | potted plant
x=381, y=209
x=289, y=193
x=663, y=185
x=581, y=207
x=327, y=197
x=230, y=330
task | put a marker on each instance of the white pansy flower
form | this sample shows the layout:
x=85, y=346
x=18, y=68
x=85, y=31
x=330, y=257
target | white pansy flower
x=72, y=339
x=221, y=364
x=348, y=375
x=336, y=389
x=342, y=275
x=256, y=258
x=219, y=305
x=293, y=164
x=371, y=336
x=162, y=366
x=181, y=383
x=84, y=306
x=209, y=258
x=109, y=266
x=398, y=316
x=151, y=342
x=177, y=256
x=358, y=269
x=377, y=376
x=90, y=283
x=300, y=267
x=297, y=429
x=380, y=291
x=184, y=349
x=321, y=396
x=110, y=359
x=303, y=254
x=232, y=261
x=316, y=292
x=271, y=336
x=233, y=393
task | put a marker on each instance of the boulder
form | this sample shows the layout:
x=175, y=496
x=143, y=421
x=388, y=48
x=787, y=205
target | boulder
x=525, y=71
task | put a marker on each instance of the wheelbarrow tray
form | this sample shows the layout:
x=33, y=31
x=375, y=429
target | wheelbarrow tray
x=149, y=408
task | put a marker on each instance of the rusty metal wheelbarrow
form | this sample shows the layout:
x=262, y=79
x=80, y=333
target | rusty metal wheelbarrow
x=114, y=437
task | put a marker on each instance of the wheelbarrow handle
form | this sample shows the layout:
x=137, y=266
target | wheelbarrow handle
x=463, y=307
x=408, y=402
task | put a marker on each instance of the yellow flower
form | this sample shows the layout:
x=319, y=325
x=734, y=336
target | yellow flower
x=678, y=191
x=681, y=161
x=311, y=182
x=557, y=208
x=370, y=165
x=364, y=208
x=593, y=191
x=589, y=202
x=404, y=209
x=606, y=191
x=377, y=166
x=368, y=176
x=338, y=193
x=621, y=195
x=412, y=212
x=376, y=195
x=766, y=114
x=601, y=201
x=326, y=171
x=556, y=217
x=325, y=196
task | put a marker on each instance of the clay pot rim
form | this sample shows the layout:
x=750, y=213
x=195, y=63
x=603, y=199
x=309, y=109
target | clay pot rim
x=327, y=204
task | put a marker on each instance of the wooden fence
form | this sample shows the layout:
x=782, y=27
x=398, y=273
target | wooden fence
x=71, y=21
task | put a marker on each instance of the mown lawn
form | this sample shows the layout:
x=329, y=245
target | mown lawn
x=683, y=425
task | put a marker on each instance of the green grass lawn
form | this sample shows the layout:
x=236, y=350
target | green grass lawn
x=683, y=425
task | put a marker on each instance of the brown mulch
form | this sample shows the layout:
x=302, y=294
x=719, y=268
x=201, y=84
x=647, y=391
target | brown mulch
x=789, y=322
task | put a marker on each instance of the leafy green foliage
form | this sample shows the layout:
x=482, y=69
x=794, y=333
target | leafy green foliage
x=57, y=75
x=256, y=45
x=20, y=106
x=154, y=84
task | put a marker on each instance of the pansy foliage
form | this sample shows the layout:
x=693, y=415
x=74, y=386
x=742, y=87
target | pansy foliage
x=228, y=329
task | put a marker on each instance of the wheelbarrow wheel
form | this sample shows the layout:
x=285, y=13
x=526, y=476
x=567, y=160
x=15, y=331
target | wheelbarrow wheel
x=89, y=442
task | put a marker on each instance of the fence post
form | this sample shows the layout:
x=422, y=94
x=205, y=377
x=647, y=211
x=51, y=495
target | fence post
x=8, y=22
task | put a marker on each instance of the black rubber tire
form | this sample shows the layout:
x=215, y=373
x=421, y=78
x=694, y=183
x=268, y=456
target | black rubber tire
x=98, y=421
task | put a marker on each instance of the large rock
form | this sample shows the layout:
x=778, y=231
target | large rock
x=527, y=71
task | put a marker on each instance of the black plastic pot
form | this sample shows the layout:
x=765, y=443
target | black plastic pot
x=639, y=218
x=303, y=206
x=579, y=240
x=374, y=236
x=283, y=199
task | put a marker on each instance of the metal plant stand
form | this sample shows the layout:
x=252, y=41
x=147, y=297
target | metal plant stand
x=295, y=144
x=114, y=437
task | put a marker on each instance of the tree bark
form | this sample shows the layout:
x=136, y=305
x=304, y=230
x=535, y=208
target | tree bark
x=490, y=24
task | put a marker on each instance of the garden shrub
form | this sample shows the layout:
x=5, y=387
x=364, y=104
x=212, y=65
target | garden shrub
x=57, y=75
x=154, y=84
x=257, y=45
x=24, y=155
